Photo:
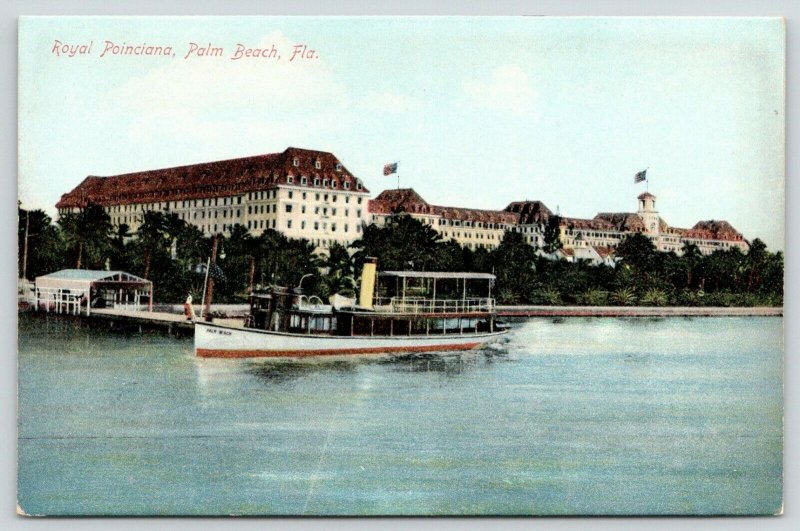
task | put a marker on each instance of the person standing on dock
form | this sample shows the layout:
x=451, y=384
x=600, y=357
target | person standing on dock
x=188, y=309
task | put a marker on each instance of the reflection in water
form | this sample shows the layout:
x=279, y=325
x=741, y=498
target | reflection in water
x=279, y=371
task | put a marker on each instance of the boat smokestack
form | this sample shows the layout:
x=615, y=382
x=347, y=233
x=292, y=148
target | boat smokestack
x=368, y=273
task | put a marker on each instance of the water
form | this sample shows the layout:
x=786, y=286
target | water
x=577, y=416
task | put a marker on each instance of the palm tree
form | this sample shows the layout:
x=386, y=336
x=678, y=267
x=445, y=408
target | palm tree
x=87, y=232
x=153, y=236
x=691, y=256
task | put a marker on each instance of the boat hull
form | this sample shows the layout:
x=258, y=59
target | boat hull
x=215, y=341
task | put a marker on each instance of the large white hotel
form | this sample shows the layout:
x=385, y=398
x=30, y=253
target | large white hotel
x=310, y=194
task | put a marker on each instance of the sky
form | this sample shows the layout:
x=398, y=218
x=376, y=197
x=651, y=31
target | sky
x=479, y=112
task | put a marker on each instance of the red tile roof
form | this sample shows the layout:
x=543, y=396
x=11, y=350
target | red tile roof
x=623, y=221
x=595, y=224
x=530, y=212
x=409, y=201
x=214, y=179
x=714, y=230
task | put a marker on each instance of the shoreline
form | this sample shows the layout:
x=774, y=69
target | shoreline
x=639, y=311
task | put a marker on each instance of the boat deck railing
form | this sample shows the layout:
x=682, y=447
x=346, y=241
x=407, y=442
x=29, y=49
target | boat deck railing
x=416, y=305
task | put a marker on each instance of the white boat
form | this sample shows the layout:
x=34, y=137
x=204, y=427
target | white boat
x=397, y=312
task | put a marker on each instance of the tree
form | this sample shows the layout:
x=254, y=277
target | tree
x=44, y=245
x=153, y=237
x=691, y=257
x=756, y=256
x=552, y=234
x=87, y=235
x=404, y=243
x=514, y=262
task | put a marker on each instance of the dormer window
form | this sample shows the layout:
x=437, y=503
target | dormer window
x=290, y=179
x=318, y=165
x=296, y=162
x=325, y=182
x=346, y=185
x=303, y=180
x=333, y=184
x=316, y=181
x=338, y=167
x=358, y=186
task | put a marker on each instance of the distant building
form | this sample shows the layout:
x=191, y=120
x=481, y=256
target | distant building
x=608, y=229
x=469, y=227
x=593, y=239
x=299, y=192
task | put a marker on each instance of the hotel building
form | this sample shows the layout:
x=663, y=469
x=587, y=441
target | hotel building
x=299, y=192
x=310, y=194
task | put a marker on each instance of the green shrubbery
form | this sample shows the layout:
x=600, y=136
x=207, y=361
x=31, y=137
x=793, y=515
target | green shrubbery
x=166, y=249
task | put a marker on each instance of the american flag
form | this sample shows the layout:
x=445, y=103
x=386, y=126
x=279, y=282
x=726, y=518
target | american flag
x=389, y=169
x=641, y=176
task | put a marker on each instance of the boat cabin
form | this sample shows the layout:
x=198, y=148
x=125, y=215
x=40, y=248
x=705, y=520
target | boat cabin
x=407, y=303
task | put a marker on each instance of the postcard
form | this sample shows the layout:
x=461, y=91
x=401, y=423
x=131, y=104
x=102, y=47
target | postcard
x=354, y=266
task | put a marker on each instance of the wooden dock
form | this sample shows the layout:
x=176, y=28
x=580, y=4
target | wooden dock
x=637, y=311
x=171, y=322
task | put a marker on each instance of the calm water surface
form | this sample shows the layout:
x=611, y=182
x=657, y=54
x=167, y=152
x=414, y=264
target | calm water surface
x=574, y=416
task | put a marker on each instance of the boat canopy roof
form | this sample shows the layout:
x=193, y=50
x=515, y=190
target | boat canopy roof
x=437, y=275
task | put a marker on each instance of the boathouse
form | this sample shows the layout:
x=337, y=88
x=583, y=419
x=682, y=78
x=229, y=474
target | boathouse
x=77, y=291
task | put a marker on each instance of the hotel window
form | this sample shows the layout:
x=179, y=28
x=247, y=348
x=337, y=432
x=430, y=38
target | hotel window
x=303, y=180
x=316, y=210
x=345, y=227
x=333, y=227
x=302, y=209
x=302, y=224
x=316, y=196
x=359, y=202
x=334, y=184
x=238, y=212
x=288, y=208
x=346, y=212
x=296, y=162
x=290, y=194
x=289, y=224
x=334, y=198
x=304, y=196
x=346, y=198
x=316, y=225
x=274, y=208
x=290, y=179
x=333, y=211
x=326, y=197
x=273, y=223
x=239, y=202
x=358, y=213
x=249, y=209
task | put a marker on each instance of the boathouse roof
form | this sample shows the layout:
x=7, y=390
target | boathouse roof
x=437, y=275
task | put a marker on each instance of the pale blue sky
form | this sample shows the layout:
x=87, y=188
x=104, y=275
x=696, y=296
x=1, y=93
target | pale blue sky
x=479, y=112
